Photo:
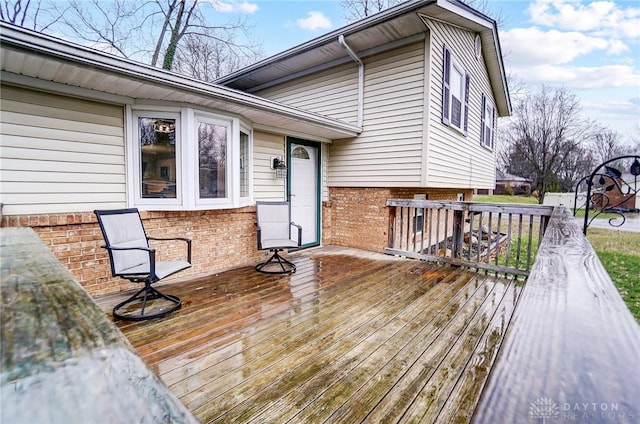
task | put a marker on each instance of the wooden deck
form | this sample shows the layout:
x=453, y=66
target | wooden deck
x=352, y=336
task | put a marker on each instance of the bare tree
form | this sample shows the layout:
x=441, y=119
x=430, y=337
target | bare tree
x=213, y=57
x=155, y=31
x=15, y=12
x=607, y=145
x=32, y=14
x=546, y=137
x=355, y=10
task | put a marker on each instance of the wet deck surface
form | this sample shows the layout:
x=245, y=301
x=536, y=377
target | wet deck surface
x=352, y=336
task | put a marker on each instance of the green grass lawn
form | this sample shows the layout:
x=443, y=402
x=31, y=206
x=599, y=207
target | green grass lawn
x=618, y=251
x=503, y=198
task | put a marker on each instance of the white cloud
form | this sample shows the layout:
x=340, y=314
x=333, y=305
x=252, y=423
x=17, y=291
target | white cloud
x=531, y=46
x=620, y=115
x=314, y=21
x=603, y=18
x=235, y=7
x=579, y=78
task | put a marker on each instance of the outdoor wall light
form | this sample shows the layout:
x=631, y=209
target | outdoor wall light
x=280, y=167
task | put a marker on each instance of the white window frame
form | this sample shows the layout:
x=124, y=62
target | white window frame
x=450, y=63
x=487, y=123
x=134, y=174
x=247, y=162
x=187, y=165
x=230, y=181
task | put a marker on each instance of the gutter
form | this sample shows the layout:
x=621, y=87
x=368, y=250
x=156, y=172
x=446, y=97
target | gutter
x=355, y=57
x=20, y=39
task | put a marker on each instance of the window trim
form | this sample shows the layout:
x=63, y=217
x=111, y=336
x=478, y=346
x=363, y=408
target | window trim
x=248, y=199
x=187, y=182
x=484, y=127
x=449, y=63
x=209, y=118
x=133, y=171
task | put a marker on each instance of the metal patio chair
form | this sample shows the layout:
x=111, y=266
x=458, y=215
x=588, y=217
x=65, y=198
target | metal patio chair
x=132, y=259
x=276, y=232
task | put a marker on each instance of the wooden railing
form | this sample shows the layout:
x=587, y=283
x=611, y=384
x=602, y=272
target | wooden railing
x=495, y=237
x=63, y=360
x=572, y=348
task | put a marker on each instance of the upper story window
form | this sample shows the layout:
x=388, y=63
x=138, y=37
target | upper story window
x=455, y=93
x=186, y=159
x=487, y=124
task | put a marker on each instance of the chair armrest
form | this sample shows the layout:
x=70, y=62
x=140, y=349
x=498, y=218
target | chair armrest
x=299, y=227
x=186, y=240
x=129, y=248
x=152, y=256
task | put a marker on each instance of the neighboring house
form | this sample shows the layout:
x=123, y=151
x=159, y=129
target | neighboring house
x=512, y=184
x=400, y=104
x=624, y=195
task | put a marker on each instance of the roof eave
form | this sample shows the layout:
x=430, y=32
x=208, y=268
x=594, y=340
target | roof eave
x=12, y=37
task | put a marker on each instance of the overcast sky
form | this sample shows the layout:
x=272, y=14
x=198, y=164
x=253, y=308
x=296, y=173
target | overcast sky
x=591, y=48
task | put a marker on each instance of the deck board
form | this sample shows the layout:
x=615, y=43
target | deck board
x=352, y=336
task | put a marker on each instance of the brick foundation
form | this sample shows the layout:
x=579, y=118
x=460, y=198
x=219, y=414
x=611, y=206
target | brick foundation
x=359, y=218
x=222, y=240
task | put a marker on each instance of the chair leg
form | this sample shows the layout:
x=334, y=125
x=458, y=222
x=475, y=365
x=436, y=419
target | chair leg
x=286, y=266
x=143, y=295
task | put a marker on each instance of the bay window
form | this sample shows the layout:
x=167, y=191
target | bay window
x=181, y=158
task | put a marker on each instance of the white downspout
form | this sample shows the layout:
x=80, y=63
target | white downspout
x=355, y=57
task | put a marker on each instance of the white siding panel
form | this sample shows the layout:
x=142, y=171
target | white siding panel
x=325, y=171
x=393, y=117
x=455, y=160
x=333, y=93
x=265, y=184
x=60, y=154
x=388, y=153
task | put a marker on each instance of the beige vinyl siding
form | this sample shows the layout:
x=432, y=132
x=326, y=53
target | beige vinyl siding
x=265, y=184
x=324, y=166
x=389, y=151
x=333, y=93
x=454, y=160
x=60, y=154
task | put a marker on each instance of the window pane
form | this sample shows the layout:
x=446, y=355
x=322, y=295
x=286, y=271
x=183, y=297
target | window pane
x=488, y=123
x=244, y=164
x=158, y=156
x=457, y=94
x=212, y=160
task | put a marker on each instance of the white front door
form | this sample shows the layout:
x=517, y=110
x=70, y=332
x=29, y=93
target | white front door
x=304, y=194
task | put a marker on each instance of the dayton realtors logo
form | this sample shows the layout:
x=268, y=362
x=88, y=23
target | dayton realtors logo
x=545, y=409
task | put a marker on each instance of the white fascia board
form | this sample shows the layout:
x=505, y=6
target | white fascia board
x=50, y=46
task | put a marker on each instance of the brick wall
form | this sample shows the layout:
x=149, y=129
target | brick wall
x=359, y=218
x=222, y=240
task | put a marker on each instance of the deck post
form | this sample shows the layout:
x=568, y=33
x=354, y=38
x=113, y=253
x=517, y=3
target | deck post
x=458, y=233
x=392, y=222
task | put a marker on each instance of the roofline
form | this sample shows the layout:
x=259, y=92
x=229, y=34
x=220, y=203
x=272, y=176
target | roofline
x=346, y=30
x=453, y=6
x=18, y=37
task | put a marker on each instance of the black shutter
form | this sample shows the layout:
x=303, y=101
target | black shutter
x=445, y=86
x=493, y=126
x=466, y=102
x=482, y=123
